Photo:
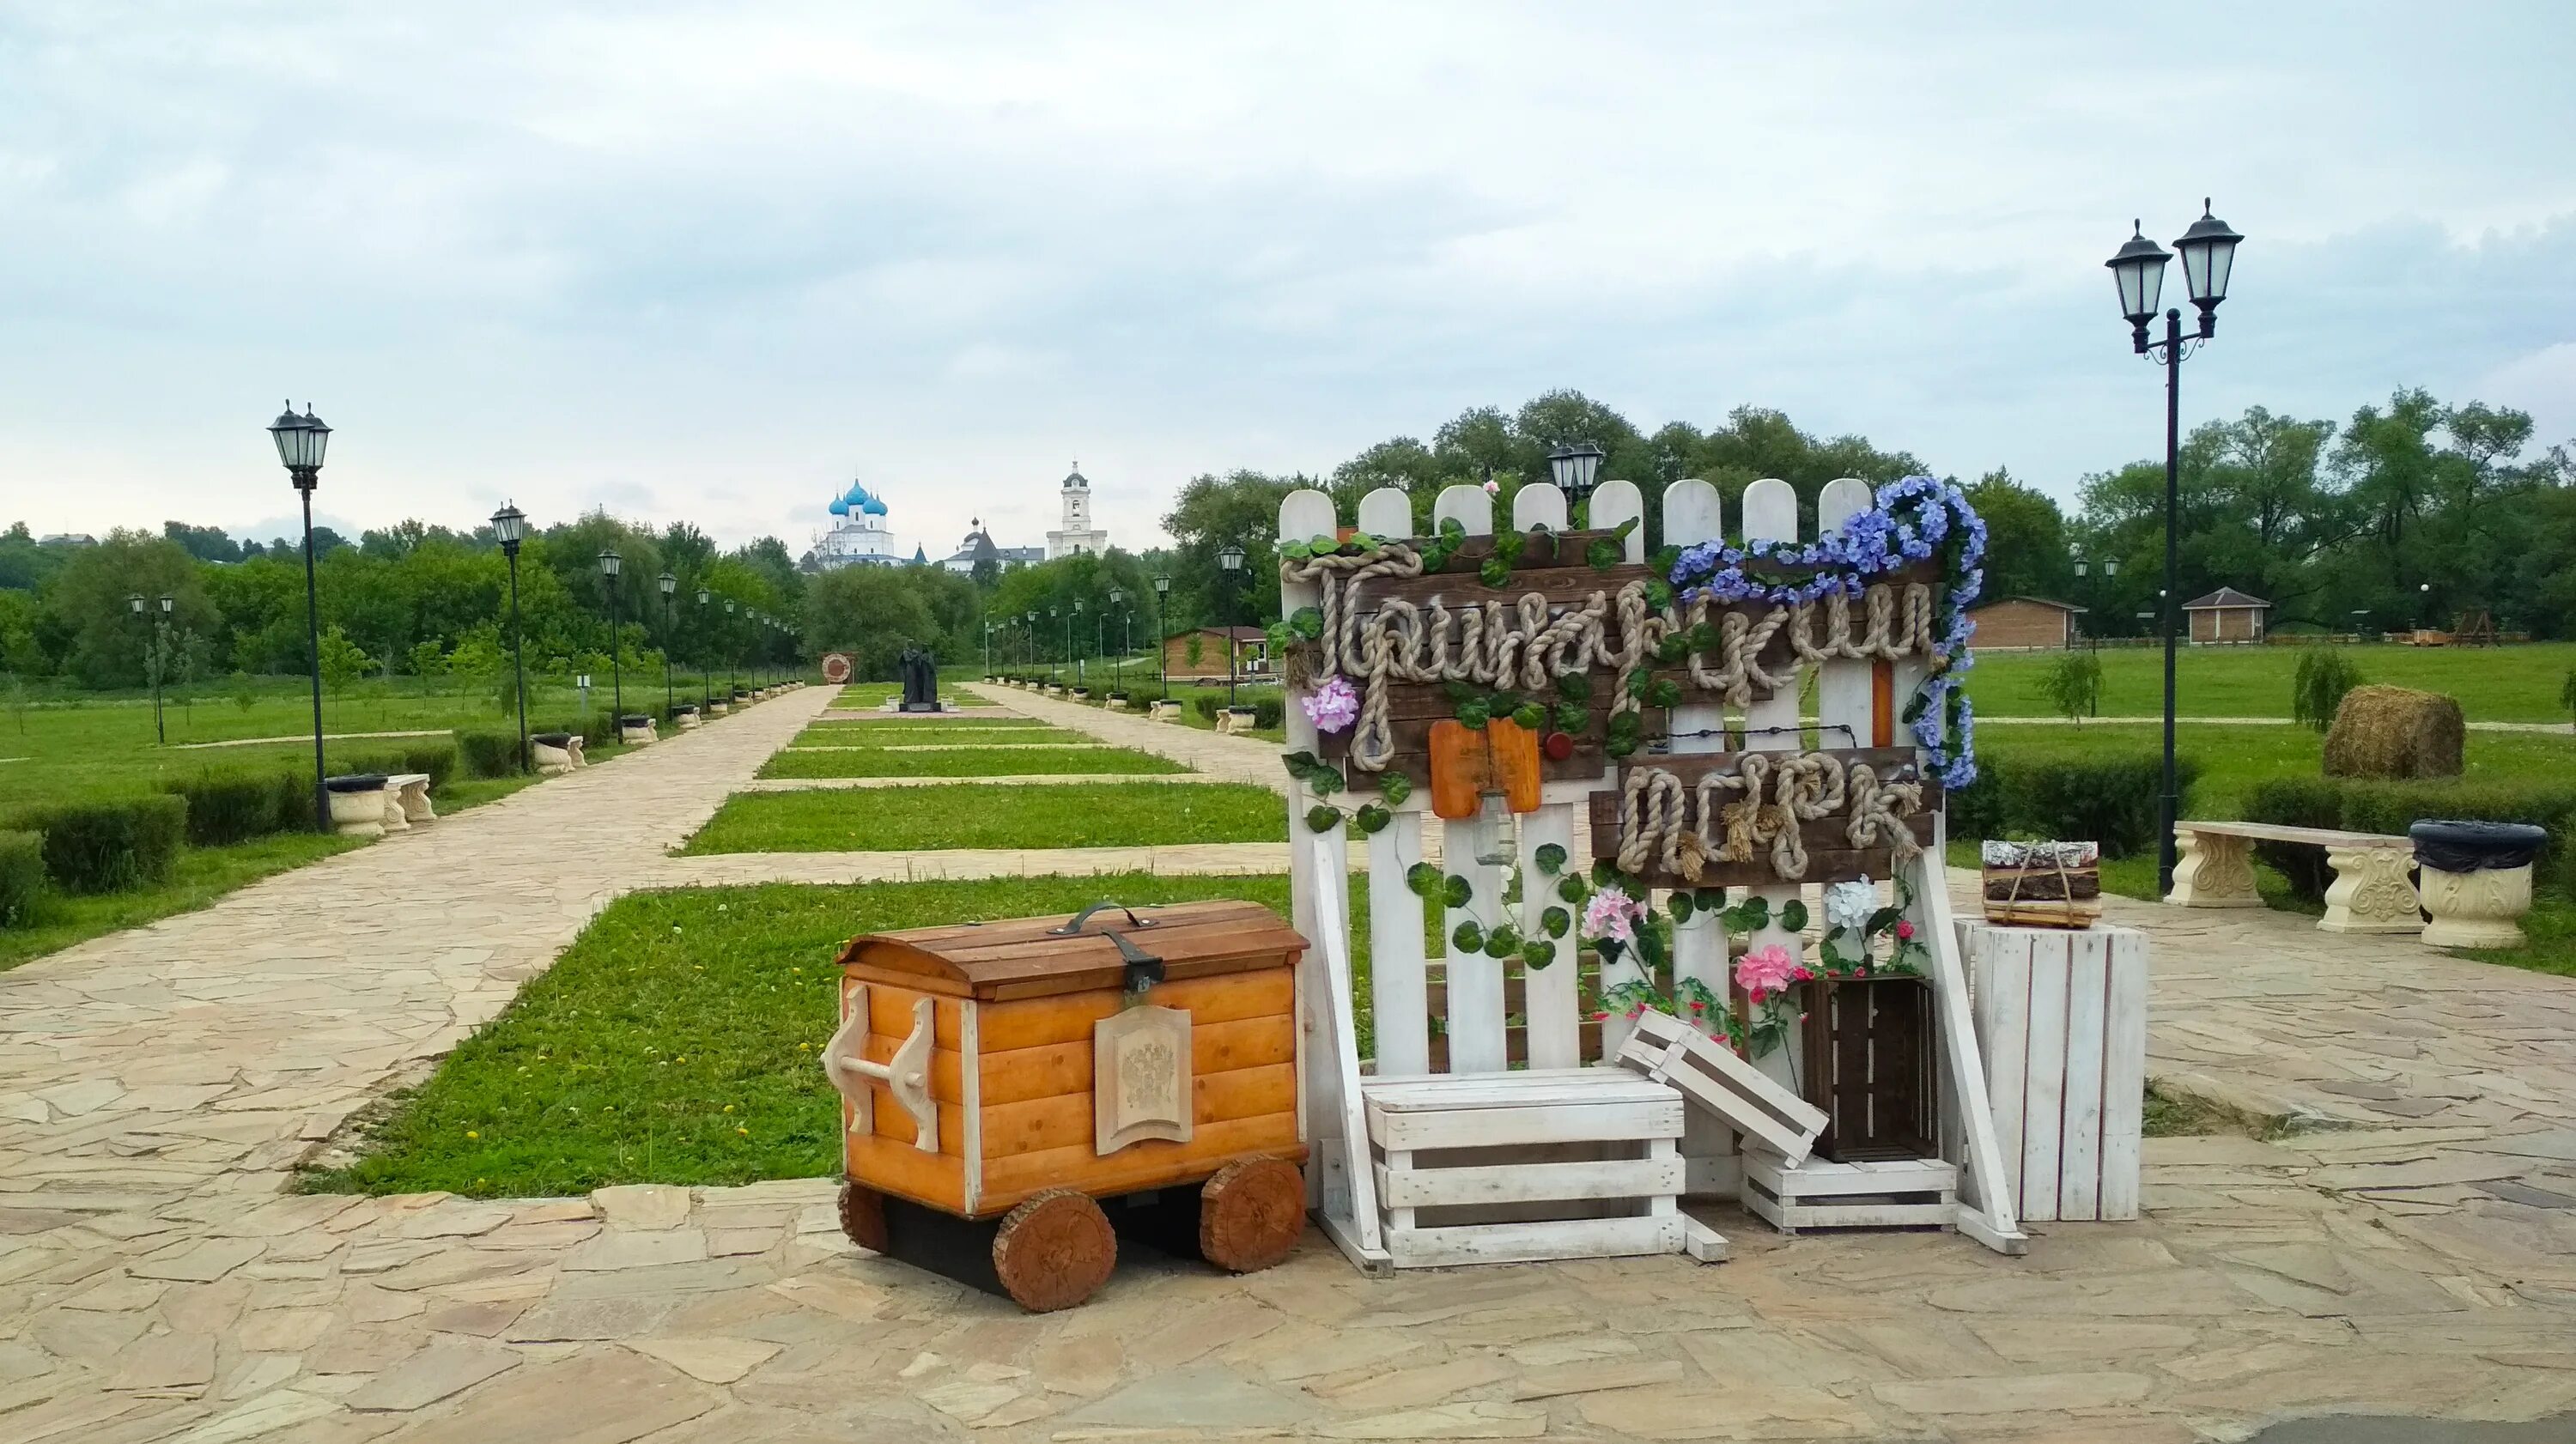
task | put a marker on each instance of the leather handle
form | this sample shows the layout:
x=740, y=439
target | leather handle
x=1144, y=969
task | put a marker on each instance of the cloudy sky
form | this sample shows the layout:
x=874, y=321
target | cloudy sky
x=711, y=260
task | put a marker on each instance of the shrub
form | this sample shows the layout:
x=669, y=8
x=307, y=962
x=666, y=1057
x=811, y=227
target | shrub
x=2073, y=685
x=2317, y=688
x=230, y=807
x=22, y=876
x=2297, y=802
x=489, y=751
x=1207, y=704
x=437, y=759
x=2108, y=799
x=110, y=844
x=1269, y=711
x=2389, y=808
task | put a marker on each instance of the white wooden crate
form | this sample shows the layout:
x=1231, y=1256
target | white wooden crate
x=2063, y=1016
x=1516, y=1167
x=1745, y=1099
x=1823, y=1194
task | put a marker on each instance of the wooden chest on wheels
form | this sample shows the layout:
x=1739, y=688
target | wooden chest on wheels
x=999, y=1080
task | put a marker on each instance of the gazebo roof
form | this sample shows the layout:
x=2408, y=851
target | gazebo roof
x=2224, y=597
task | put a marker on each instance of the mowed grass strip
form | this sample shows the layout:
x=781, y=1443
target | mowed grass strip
x=2233, y=759
x=886, y=734
x=676, y=1040
x=924, y=819
x=965, y=762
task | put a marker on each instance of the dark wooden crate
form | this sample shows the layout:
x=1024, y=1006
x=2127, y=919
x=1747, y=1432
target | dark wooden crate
x=1870, y=1066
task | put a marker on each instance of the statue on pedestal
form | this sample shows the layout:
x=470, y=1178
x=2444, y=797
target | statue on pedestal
x=920, y=678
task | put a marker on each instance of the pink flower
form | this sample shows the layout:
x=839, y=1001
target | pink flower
x=1805, y=975
x=1904, y=929
x=1493, y=487
x=1699, y=1007
x=1636, y=1008
x=1601, y=1017
x=1333, y=706
x=1765, y=970
x=1755, y=995
x=1611, y=914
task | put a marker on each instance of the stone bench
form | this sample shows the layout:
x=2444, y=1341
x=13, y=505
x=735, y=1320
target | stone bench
x=407, y=801
x=1166, y=710
x=1235, y=719
x=685, y=717
x=636, y=730
x=2372, y=891
x=554, y=753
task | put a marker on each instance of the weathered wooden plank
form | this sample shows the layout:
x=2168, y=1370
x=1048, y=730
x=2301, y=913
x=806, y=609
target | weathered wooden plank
x=1420, y=1187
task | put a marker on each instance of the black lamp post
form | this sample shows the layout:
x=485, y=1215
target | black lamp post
x=1575, y=468
x=300, y=443
x=134, y=605
x=1029, y=640
x=160, y=664
x=1073, y=642
x=1118, y=668
x=510, y=525
x=2208, y=254
x=610, y=564
x=988, y=649
x=670, y=584
x=1230, y=557
x=706, y=683
x=1162, y=642
x=731, y=650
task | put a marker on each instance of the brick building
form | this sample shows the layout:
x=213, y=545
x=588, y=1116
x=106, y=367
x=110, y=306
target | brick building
x=2021, y=623
x=2227, y=615
x=1251, y=650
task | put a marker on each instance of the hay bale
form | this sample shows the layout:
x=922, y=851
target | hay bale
x=2395, y=732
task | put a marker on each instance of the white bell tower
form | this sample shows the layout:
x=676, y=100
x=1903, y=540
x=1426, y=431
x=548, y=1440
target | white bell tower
x=1077, y=534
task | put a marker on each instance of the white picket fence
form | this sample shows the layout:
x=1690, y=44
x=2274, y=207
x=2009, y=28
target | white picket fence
x=1853, y=710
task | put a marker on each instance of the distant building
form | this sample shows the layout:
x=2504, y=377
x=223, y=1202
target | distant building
x=978, y=546
x=859, y=538
x=1077, y=535
x=1250, y=646
x=2227, y=615
x=67, y=539
x=2008, y=623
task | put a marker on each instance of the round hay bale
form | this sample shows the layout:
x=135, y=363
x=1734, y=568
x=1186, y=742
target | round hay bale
x=2395, y=732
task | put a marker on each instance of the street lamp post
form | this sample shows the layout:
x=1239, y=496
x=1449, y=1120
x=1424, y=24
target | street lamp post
x=670, y=584
x=2208, y=254
x=2423, y=621
x=730, y=650
x=1118, y=668
x=1162, y=643
x=160, y=664
x=1230, y=557
x=1574, y=468
x=610, y=564
x=300, y=443
x=706, y=679
x=1029, y=645
x=510, y=525
x=134, y=605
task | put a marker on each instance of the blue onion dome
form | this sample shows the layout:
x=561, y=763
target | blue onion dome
x=874, y=506
x=840, y=506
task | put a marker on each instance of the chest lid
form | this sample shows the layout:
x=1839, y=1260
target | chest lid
x=1039, y=957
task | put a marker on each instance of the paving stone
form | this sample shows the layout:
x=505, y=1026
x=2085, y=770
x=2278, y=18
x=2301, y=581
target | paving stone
x=1202, y=1396
x=585, y=1319
x=617, y=1248
x=709, y=1359
x=2014, y=1394
x=1447, y=1421
x=1403, y=1388
x=447, y=1366
x=597, y=1396
x=1592, y=1378
x=2526, y=1195
x=202, y=1261
x=167, y=1361
x=642, y=1206
x=264, y=1417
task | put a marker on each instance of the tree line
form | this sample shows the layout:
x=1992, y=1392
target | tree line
x=2413, y=512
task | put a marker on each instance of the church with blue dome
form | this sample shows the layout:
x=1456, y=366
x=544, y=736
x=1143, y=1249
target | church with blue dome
x=859, y=535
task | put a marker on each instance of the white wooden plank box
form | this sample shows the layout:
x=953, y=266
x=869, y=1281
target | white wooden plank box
x=1519, y=1167
x=1823, y=1194
x=2063, y=1020
x=1668, y=1050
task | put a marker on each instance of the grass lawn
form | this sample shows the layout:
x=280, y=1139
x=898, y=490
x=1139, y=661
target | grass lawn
x=905, y=819
x=965, y=762
x=675, y=1041
x=2507, y=684
x=2233, y=759
x=863, y=695
x=888, y=734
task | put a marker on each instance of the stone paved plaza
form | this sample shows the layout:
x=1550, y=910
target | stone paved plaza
x=2416, y=1252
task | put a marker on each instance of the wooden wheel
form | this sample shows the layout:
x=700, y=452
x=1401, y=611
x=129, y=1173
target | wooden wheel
x=1054, y=1250
x=863, y=1216
x=1252, y=1214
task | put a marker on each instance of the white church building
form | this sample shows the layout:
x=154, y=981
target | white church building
x=859, y=534
x=1078, y=534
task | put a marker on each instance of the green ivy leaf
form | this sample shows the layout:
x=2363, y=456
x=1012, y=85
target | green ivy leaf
x=1659, y=594
x=1572, y=716
x=1494, y=572
x=1474, y=715
x=1638, y=682
x=1573, y=890
x=1501, y=943
x=1556, y=921
x=1453, y=531
x=1619, y=747
x=1322, y=818
x=1395, y=787
x=1373, y=818
x=1703, y=638
x=1602, y=554
x=1624, y=528
x=1550, y=858
x=1424, y=879
x=1457, y=691
x=1574, y=687
x=1672, y=648
x=1604, y=872
x=1324, y=545
x=1537, y=953
x=1664, y=692
x=1509, y=545
x=1885, y=918
x=1529, y=715
x=1295, y=550
x=1307, y=622
x=1664, y=560
x=1467, y=937
x=1681, y=906
x=1458, y=891
x=1793, y=915
x=1298, y=763
x=1324, y=780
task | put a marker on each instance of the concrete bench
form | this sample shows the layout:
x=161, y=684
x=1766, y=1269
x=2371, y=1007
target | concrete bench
x=1164, y=711
x=1233, y=720
x=407, y=801
x=2372, y=891
x=635, y=729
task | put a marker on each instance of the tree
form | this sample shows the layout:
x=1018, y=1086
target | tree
x=872, y=613
x=2073, y=684
x=2026, y=550
x=343, y=662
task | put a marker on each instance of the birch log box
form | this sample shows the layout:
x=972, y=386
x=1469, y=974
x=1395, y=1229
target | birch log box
x=2063, y=1017
x=1000, y=1079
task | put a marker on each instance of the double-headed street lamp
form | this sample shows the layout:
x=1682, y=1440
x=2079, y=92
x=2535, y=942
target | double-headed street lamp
x=2208, y=254
x=1072, y=641
x=300, y=443
x=730, y=651
x=510, y=526
x=1574, y=468
x=1029, y=645
x=1230, y=559
x=1118, y=669
x=706, y=683
x=669, y=585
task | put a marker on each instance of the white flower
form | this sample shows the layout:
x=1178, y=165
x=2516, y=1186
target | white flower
x=1849, y=904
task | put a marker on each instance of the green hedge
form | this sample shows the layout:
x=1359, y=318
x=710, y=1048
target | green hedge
x=489, y=751
x=235, y=806
x=2360, y=805
x=22, y=876
x=110, y=844
x=2109, y=799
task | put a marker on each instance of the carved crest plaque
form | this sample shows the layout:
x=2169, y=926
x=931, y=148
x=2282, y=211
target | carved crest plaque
x=1140, y=1081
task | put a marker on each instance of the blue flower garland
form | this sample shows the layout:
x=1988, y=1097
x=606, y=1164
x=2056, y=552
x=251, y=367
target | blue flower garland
x=1913, y=517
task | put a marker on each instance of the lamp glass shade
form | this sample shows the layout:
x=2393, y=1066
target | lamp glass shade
x=670, y=584
x=1575, y=466
x=2208, y=254
x=167, y=603
x=509, y=525
x=610, y=562
x=1163, y=585
x=1117, y=595
x=2139, y=270
x=135, y=603
x=704, y=596
x=2110, y=566
x=300, y=439
x=1230, y=557
x=2079, y=566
